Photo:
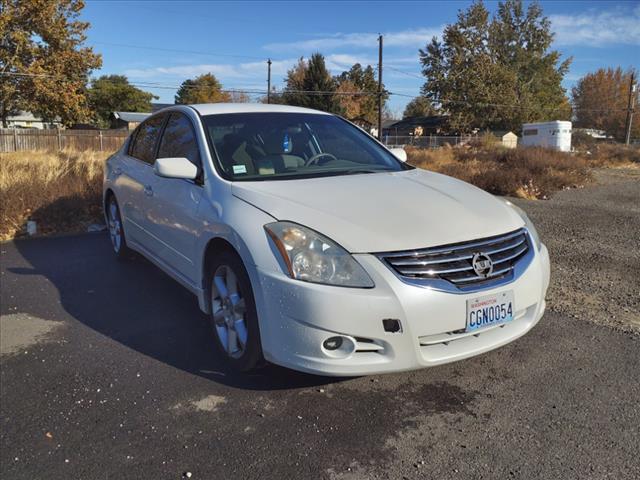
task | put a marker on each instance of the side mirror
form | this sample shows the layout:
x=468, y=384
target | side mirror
x=176, y=167
x=399, y=153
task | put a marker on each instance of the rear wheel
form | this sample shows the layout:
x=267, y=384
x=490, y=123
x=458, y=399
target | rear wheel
x=116, y=231
x=234, y=320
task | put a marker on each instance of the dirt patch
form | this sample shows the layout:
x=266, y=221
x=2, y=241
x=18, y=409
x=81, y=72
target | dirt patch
x=210, y=403
x=19, y=331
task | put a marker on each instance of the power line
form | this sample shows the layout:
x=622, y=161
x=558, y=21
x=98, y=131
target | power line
x=408, y=74
x=194, y=52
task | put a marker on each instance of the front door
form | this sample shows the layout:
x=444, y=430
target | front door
x=172, y=213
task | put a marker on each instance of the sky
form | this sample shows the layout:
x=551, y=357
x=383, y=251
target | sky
x=158, y=45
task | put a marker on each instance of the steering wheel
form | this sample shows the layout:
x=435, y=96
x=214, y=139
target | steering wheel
x=313, y=160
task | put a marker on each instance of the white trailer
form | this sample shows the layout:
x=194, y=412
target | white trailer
x=556, y=134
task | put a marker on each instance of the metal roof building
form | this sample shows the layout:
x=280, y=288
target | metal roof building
x=127, y=120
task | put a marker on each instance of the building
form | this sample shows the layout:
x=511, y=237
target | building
x=555, y=134
x=29, y=120
x=434, y=125
x=507, y=139
x=127, y=120
x=593, y=133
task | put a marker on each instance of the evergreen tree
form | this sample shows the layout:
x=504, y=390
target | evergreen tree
x=318, y=79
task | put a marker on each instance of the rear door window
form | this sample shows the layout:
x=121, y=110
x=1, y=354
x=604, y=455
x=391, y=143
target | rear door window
x=178, y=140
x=144, y=144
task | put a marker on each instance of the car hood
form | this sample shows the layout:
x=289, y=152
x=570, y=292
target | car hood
x=381, y=212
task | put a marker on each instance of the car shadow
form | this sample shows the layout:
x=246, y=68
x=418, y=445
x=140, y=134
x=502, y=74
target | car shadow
x=134, y=303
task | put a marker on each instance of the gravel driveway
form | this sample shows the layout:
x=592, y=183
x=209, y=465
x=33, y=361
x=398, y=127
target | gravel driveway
x=106, y=371
x=593, y=236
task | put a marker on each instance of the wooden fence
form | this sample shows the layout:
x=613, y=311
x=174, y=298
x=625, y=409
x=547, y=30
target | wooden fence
x=15, y=140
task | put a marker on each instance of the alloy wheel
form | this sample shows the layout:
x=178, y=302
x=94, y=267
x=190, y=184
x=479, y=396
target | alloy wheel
x=229, y=311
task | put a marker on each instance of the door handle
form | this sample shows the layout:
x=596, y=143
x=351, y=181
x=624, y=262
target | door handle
x=117, y=171
x=148, y=191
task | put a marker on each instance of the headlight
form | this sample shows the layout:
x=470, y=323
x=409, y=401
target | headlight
x=528, y=224
x=312, y=257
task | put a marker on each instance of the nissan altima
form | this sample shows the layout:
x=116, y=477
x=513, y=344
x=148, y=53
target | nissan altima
x=311, y=245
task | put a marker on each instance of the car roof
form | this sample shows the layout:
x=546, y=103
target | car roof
x=220, y=108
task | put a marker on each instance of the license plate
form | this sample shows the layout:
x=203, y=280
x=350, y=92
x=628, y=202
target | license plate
x=490, y=310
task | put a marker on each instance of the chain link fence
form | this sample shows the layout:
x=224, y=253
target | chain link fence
x=431, y=141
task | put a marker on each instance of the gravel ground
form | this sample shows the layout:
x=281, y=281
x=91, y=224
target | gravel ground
x=593, y=236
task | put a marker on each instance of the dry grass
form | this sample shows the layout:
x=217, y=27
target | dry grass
x=61, y=191
x=612, y=155
x=522, y=172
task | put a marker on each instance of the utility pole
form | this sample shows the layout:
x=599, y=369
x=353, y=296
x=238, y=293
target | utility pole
x=380, y=87
x=269, y=80
x=630, y=107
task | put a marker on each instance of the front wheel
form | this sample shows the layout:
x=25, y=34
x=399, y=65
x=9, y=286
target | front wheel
x=234, y=319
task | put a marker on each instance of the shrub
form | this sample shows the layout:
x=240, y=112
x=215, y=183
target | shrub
x=612, y=155
x=521, y=172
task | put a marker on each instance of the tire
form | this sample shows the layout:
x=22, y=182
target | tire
x=233, y=316
x=116, y=230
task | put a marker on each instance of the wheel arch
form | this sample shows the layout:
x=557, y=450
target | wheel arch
x=218, y=243
x=108, y=193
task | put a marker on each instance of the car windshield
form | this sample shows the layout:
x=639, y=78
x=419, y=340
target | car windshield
x=274, y=146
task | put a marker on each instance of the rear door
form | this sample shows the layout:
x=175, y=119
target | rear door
x=136, y=177
x=173, y=212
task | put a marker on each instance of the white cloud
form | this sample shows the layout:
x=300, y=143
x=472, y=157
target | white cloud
x=227, y=72
x=406, y=38
x=220, y=70
x=598, y=29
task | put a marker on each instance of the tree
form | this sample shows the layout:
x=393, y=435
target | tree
x=600, y=102
x=496, y=73
x=111, y=93
x=239, y=97
x=318, y=79
x=361, y=108
x=294, y=85
x=43, y=65
x=419, y=107
x=203, y=89
x=350, y=104
x=305, y=78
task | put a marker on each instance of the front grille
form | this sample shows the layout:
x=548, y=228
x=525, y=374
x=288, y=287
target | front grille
x=453, y=263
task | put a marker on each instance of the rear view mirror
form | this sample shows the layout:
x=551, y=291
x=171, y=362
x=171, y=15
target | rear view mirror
x=399, y=153
x=175, y=167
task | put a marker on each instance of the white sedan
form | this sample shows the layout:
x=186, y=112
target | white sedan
x=312, y=246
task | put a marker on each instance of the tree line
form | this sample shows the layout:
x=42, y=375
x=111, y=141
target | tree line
x=485, y=72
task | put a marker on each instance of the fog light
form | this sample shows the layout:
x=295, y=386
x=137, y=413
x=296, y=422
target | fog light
x=333, y=343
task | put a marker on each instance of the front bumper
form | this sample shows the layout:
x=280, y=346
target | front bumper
x=296, y=317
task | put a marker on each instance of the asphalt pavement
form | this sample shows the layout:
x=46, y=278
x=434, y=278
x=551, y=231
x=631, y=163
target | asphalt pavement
x=107, y=371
